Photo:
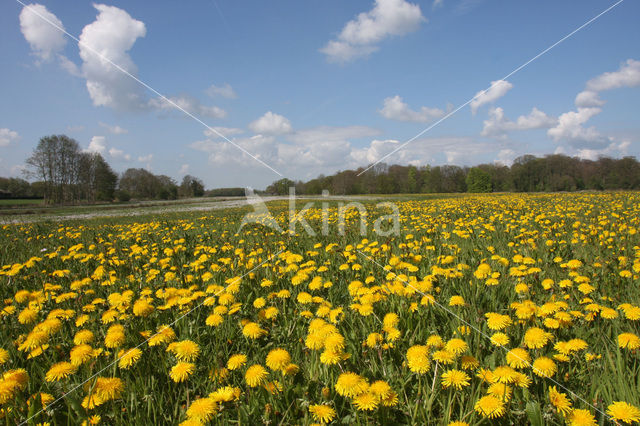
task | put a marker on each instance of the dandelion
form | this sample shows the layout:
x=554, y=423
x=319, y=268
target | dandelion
x=253, y=330
x=559, y=400
x=536, y=338
x=278, y=359
x=490, y=407
x=418, y=359
x=81, y=354
x=499, y=339
x=366, y=401
x=255, y=375
x=544, y=367
x=456, y=346
x=322, y=413
x=181, y=371
x=185, y=350
x=624, y=412
x=500, y=390
x=59, y=371
x=581, y=417
x=236, y=361
x=202, y=409
x=127, y=358
x=497, y=321
x=518, y=358
x=629, y=341
x=350, y=384
x=455, y=378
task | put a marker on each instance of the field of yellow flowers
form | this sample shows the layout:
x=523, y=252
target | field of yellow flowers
x=502, y=309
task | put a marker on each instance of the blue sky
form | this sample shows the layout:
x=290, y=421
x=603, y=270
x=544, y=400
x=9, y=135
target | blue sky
x=316, y=87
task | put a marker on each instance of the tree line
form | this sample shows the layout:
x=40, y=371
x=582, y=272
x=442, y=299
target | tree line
x=62, y=173
x=528, y=173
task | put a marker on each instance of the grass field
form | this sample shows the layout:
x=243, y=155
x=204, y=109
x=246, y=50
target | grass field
x=507, y=309
x=15, y=202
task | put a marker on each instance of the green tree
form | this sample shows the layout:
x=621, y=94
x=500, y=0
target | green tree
x=478, y=180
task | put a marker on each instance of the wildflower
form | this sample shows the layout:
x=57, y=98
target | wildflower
x=544, y=367
x=255, y=375
x=624, y=412
x=455, y=378
x=128, y=357
x=518, y=358
x=322, y=413
x=579, y=417
x=500, y=390
x=559, y=400
x=456, y=346
x=59, y=371
x=236, y=361
x=202, y=409
x=536, y=338
x=185, y=350
x=81, y=354
x=490, y=407
x=253, y=330
x=497, y=321
x=499, y=339
x=366, y=401
x=278, y=359
x=350, y=384
x=418, y=359
x=181, y=371
x=629, y=341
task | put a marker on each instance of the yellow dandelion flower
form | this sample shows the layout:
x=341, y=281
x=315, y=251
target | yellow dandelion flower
x=129, y=357
x=236, y=361
x=624, y=412
x=418, y=359
x=202, y=409
x=185, y=350
x=536, y=338
x=490, y=407
x=181, y=371
x=544, y=367
x=278, y=359
x=518, y=358
x=322, y=413
x=455, y=378
x=255, y=375
x=559, y=400
x=366, y=401
x=629, y=341
x=59, y=371
x=581, y=417
x=350, y=384
x=81, y=354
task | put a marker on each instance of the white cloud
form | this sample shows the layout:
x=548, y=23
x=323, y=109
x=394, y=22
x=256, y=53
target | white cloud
x=7, y=136
x=98, y=144
x=118, y=154
x=45, y=40
x=506, y=157
x=497, y=90
x=437, y=3
x=498, y=125
x=359, y=36
x=570, y=128
x=226, y=91
x=112, y=34
x=627, y=76
x=322, y=134
x=184, y=169
x=395, y=109
x=612, y=150
x=146, y=158
x=189, y=104
x=116, y=130
x=271, y=124
x=587, y=99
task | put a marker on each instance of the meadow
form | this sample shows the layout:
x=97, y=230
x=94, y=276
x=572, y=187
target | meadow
x=488, y=309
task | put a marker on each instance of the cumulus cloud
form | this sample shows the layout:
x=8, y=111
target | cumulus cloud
x=116, y=130
x=396, y=109
x=498, y=125
x=7, y=136
x=226, y=91
x=271, y=124
x=570, y=128
x=145, y=158
x=627, y=76
x=612, y=150
x=98, y=144
x=112, y=35
x=189, y=104
x=506, y=157
x=37, y=26
x=437, y=3
x=184, y=169
x=360, y=36
x=497, y=90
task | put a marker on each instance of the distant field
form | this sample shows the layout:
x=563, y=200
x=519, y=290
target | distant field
x=13, y=202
